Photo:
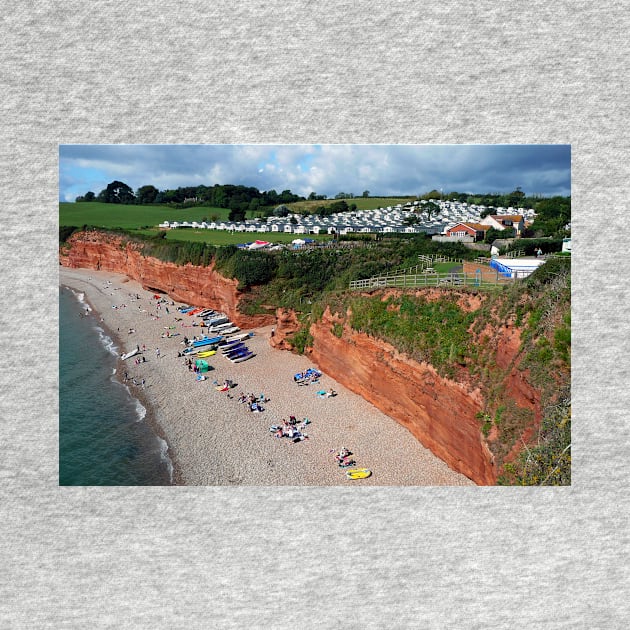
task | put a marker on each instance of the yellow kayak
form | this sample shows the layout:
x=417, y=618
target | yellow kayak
x=358, y=473
x=206, y=353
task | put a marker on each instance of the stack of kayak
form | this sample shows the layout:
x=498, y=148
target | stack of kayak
x=236, y=351
x=201, y=345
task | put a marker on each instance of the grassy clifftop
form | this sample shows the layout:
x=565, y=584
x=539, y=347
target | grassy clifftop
x=464, y=335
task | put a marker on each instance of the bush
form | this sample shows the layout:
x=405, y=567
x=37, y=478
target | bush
x=65, y=231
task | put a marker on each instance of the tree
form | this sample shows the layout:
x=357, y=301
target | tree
x=552, y=215
x=493, y=234
x=271, y=198
x=147, y=194
x=430, y=208
x=432, y=194
x=89, y=196
x=281, y=211
x=515, y=198
x=366, y=194
x=117, y=192
x=236, y=214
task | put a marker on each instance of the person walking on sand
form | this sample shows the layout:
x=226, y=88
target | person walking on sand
x=157, y=353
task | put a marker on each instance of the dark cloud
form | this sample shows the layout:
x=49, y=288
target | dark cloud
x=326, y=169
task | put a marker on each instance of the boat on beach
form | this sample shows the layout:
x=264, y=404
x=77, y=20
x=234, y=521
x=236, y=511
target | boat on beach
x=230, y=331
x=215, y=321
x=131, y=353
x=234, y=338
x=234, y=350
x=221, y=327
x=243, y=357
x=232, y=346
x=206, y=341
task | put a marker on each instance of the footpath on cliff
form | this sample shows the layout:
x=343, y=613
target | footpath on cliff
x=213, y=439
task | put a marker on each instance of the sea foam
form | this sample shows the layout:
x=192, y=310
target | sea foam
x=81, y=298
x=140, y=410
x=107, y=341
x=166, y=458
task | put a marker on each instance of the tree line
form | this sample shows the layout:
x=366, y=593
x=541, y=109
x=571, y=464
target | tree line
x=553, y=213
x=234, y=197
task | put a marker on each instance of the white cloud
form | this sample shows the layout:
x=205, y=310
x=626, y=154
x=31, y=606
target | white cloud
x=325, y=169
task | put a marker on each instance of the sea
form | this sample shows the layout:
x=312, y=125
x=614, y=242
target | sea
x=105, y=438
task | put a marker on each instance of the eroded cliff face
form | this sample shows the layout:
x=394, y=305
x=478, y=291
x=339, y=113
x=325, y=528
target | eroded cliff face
x=197, y=286
x=438, y=412
x=287, y=324
x=441, y=413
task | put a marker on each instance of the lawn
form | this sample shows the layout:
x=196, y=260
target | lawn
x=220, y=237
x=113, y=215
x=362, y=203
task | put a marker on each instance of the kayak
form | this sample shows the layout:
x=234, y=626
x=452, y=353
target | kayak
x=206, y=353
x=130, y=354
x=358, y=473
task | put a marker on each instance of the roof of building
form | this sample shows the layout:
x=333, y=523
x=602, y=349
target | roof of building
x=508, y=217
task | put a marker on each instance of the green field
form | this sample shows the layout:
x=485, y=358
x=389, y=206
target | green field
x=113, y=215
x=218, y=237
x=145, y=219
x=369, y=203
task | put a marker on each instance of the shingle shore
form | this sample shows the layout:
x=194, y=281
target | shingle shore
x=214, y=440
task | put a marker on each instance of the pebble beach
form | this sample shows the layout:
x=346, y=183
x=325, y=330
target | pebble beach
x=215, y=440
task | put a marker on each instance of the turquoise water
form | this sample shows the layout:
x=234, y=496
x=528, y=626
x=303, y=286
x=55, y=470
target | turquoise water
x=104, y=438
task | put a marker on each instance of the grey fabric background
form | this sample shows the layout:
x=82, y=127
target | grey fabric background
x=328, y=72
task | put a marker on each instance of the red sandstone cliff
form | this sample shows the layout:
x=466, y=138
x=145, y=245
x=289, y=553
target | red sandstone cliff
x=197, y=286
x=439, y=412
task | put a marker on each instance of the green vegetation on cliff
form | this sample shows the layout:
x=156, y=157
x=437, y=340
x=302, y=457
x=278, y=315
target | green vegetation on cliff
x=459, y=332
x=434, y=331
x=456, y=330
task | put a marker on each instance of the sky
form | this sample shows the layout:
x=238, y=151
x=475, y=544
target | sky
x=383, y=170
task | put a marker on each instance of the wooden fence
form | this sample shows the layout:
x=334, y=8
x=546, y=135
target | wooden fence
x=428, y=279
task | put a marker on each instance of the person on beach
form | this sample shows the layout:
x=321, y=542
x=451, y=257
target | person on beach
x=157, y=353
